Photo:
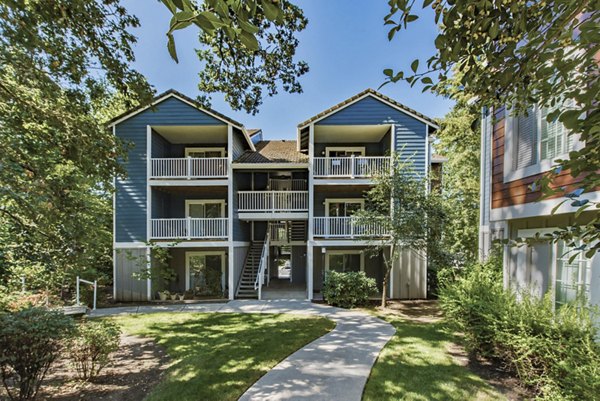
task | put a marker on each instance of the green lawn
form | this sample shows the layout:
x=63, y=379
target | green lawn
x=218, y=356
x=415, y=366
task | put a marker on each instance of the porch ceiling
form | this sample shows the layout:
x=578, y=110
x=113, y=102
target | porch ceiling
x=192, y=133
x=350, y=133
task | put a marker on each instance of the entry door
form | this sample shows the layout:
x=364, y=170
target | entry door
x=205, y=209
x=343, y=208
x=205, y=272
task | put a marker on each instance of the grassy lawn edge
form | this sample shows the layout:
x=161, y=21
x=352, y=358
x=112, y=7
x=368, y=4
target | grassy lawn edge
x=218, y=356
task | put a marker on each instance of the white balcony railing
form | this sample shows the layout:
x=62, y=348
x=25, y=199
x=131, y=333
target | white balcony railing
x=189, y=228
x=347, y=227
x=188, y=168
x=351, y=167
x=272, y=201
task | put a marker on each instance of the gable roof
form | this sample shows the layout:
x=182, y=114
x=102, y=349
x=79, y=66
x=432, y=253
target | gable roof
x=373, y=93
x=188, y=100
x=268, y=152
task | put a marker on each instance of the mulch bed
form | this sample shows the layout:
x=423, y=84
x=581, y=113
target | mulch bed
x=136, y=368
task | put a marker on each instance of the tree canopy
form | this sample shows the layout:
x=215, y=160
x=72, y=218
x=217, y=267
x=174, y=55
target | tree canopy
x=247, y=48
x=60, y=62
x=516, y=54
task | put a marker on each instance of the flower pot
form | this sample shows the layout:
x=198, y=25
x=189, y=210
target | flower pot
x=162, y=296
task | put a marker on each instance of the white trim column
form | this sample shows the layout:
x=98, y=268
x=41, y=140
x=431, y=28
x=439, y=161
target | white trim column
x=148, y=281
x=148, y=208
x=311, y=206
x=230, y=195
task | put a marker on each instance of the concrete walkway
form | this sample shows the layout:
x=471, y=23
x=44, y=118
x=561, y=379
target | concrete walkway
x=333, y=367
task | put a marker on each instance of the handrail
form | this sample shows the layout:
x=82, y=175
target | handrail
x=264, y=262
x=188, y=167
x=351, y=167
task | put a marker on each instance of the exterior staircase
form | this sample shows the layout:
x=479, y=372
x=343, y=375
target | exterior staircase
x=297, y=231
x=245, y=287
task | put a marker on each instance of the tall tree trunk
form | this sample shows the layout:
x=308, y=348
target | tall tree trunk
x=389, y=264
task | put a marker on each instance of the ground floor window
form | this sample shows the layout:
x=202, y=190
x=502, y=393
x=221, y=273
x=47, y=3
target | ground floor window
x=345, y=261
x=573, y=277
x=205, y=273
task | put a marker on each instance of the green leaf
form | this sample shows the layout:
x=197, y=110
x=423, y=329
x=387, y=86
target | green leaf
x=170, y=5
x=426, y=80
x=411, y=18
x=249, y=40
x=388, y=72
x=271, y=10
x=248, y=27
x=555, y=208
x=171, y=47
x=178, y=4
x=414, y=66
x=427, y=3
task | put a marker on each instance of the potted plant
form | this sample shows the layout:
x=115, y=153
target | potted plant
x=174, y=296
x=181, y=296
x=163, y=295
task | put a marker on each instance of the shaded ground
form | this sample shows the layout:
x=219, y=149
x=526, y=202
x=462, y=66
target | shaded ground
x=433, y=365
x=137, y=367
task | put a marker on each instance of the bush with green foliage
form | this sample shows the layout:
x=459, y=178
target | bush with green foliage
x=30, y=341
x=348, y=290
x=89, y=350
x=553, y=352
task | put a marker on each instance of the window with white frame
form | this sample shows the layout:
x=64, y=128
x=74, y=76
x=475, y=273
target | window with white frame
x=345, y=261
x=203, y=153
x=533, y=143
x=343, y=207
x=573, y=277
x=205, y=208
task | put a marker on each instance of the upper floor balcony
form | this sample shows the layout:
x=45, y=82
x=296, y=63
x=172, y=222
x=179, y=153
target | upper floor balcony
x=348, y=227
x=189, y=228
x=273, y=201
x=351, y=166
x=188, y=168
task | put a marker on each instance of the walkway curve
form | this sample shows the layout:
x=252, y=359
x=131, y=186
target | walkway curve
x=335, y=366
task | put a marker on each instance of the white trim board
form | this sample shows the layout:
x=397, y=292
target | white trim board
x=269, y=166
x=377, y=98
x=208, y=182
x=343, y=181
x=538, y=209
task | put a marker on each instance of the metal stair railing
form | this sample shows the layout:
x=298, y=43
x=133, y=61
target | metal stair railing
x=264, y=262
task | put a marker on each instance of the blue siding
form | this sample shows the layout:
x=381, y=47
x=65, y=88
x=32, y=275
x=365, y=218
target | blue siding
x=410, y=132
x=241, y=229
x=239, y=144
x=130, y=208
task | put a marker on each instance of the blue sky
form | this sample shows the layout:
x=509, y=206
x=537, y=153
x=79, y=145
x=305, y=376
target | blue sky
x=345, y=45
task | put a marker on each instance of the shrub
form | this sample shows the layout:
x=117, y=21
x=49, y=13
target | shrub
x=348, y=290
x=553, y=352
x=30, y=340
x=90, y=348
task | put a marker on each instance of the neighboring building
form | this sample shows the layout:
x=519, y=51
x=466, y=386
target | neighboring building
x=226, y=204
x=516, y=151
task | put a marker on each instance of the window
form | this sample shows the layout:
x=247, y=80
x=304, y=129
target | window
x=533, y=143
x=201, y=153
x=343, y=207
x=205, y=272
x=572, y=280
x=344, y=261
x=344, y=151
x=205, y=208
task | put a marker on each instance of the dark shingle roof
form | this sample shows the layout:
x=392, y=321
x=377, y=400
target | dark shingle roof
x=361, y=94
x=273, y=152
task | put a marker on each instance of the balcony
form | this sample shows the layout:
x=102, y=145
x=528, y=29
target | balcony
x=273, y=205
x=189, y=228
x=188, y=168
x=347, y=227
x=351, y=167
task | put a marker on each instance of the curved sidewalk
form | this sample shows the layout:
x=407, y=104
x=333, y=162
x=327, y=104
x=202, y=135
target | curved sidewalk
x=333, y=367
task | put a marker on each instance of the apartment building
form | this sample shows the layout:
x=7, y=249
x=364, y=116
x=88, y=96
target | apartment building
x=517, y=151
x=236, y=216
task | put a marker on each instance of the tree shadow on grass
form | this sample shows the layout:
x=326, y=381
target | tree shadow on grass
x=415, y=365
x=218, y=356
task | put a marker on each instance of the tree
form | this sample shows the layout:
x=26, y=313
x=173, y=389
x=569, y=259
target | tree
x=459, y=142
x=59, y=62
x=402, y=206
x=247, y=47
x=520, y=53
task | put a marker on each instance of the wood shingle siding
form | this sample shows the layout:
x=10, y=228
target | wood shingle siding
x=130, y=207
